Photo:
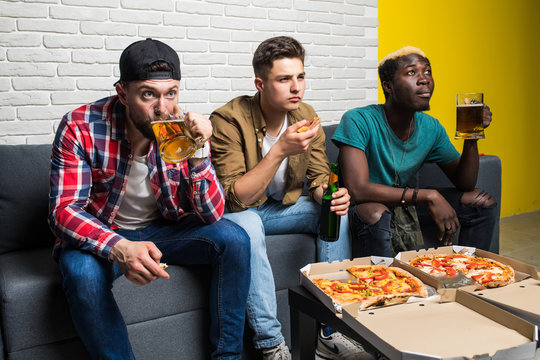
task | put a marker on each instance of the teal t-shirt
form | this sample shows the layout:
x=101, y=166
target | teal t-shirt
x=366, y=128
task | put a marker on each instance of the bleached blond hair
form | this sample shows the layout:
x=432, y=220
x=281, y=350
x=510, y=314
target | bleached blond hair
x=404, y=51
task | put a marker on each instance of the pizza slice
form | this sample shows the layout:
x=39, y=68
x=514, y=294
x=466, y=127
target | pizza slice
x=310, y=124
x=391, y=280
x=490, y=273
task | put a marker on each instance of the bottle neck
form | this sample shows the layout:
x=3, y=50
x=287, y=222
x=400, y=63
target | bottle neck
x=333, y=185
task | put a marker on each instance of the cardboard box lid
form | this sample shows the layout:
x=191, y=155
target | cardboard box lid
x=460, y=327
x=520, y=298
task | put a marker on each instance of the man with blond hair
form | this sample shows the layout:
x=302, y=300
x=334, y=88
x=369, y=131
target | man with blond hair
x=383, y=146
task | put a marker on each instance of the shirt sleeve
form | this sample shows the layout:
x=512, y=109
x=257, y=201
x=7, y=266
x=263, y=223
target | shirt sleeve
x=443, y=151
x=229, y=159
x=352, y=130
x=70, y=185
x=318, y=167
x=207, y=196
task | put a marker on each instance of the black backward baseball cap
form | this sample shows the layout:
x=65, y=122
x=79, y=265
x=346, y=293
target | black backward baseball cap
x=136, y=59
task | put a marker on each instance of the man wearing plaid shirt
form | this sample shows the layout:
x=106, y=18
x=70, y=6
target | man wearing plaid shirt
x=116, y=207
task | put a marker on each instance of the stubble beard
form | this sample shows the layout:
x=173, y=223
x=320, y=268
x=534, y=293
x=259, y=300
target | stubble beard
x=424, y=107
x=144, y=126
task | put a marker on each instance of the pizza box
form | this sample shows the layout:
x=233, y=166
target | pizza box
x=337, y=270
x=521, y=269
x=520, y=298
x=455, y=326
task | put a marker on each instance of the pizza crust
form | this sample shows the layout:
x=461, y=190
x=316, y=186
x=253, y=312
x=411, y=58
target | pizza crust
x=310, y=124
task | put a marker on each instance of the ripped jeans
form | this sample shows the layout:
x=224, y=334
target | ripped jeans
x=476, y=227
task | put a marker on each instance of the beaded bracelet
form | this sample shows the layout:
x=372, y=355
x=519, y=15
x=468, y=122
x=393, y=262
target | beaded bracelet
x=403, y=196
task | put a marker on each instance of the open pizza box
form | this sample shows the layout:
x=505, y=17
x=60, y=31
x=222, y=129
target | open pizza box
x=337, y=270
x=522, y=270
x=455, y=326
x=520, y=298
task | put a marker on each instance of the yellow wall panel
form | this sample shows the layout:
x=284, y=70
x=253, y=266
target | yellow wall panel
x=488, y=46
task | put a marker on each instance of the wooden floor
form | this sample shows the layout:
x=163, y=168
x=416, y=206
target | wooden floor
x=520, y=238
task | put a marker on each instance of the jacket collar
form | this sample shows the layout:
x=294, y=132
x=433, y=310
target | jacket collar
x=257, y=115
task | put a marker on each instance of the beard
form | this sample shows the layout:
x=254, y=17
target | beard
x=423, y=107
x=146, y=130
x=143, y=125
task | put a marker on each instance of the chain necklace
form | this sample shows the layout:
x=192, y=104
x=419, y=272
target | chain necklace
x=397, y=180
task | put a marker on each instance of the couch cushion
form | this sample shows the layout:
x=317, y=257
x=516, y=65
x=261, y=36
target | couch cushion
x=33, y=298
x=24, y=188
x=287, y=254
x=331, y=149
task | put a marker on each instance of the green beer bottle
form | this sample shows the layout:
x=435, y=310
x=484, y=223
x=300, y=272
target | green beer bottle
x=329, y=222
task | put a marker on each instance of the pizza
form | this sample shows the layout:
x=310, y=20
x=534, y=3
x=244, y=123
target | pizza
x=310, y=124
x=374, y=285
x=487, y=272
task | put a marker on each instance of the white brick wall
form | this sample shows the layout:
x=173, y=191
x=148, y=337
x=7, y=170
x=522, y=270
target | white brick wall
x=58, y=54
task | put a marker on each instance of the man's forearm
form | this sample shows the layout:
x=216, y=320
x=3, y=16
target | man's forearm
x=251, y=186
x=467, y=171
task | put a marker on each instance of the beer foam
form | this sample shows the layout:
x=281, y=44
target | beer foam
x=404, y=51
x=470, y=105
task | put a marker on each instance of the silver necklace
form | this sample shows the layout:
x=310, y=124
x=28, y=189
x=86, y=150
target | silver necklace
x=397, y=180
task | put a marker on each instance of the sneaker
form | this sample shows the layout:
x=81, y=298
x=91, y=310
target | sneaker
x=278, y=352
x=339, y=346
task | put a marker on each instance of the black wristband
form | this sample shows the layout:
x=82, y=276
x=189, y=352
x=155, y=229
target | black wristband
x=403, y=196
x=414, y=196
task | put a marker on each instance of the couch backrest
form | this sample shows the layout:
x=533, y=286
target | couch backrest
x=331, y=149
x=24, y=188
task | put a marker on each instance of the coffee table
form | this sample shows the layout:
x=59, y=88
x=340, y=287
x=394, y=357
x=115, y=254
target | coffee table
x=305, y=311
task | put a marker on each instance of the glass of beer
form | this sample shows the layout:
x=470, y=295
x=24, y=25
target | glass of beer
x=470, y=109
x=175, y=142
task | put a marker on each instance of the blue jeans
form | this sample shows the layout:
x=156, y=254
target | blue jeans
x=273, y=218
x=87, y=281
x=476, y=227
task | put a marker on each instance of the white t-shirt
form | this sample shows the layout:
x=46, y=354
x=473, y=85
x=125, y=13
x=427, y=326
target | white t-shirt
x=138, y=207
x=276, y=188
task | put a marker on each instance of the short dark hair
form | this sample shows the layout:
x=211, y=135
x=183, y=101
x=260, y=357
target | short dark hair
x=274, y=49
x=159, y=66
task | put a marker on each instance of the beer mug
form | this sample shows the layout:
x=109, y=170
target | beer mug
x=470, y=110
x=174, y=140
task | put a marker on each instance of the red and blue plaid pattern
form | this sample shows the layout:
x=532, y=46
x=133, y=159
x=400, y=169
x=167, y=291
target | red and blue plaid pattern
x=90, y=161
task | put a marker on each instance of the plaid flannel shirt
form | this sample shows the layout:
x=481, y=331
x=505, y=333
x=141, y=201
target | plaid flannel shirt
x=90, y=162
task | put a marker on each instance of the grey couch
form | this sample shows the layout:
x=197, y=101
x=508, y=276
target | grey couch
x=166, y=319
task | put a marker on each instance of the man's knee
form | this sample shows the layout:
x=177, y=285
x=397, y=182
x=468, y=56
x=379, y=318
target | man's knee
x=479, y=198
x=251, y=223
x=233, y=236
x=84, y=272
x=371, y=213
